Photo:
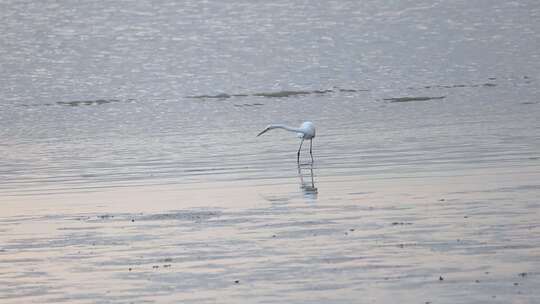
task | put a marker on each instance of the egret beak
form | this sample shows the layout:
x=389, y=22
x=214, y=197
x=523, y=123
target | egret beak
x=263, y=131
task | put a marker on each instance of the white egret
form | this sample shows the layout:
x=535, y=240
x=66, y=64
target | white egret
x=306, y=131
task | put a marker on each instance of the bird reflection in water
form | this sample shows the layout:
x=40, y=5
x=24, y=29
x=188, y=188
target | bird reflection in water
x=307, y=182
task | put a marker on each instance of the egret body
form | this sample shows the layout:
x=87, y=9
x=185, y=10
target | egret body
x=305, y=131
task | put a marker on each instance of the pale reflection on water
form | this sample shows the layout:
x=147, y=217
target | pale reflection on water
x=307, y=181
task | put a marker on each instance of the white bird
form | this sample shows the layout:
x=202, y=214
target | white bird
x=306, y=131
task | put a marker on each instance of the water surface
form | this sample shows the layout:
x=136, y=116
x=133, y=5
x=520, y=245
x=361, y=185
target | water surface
x=129, y=158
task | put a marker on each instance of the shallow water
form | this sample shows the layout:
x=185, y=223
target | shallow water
x=128, y=140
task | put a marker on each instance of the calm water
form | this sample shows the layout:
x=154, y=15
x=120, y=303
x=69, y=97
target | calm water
x=98, y=94
x=427, y=155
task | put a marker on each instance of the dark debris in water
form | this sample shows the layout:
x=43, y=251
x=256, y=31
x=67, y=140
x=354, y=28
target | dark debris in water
x=277, y=94
x=77, y=103
x=417, y=98
x=280, y=94
x=293, y=93
x=322, y=91
x=400, y=223
x=455, y=86
x=180, y=215
x=441, y=86
x=218, y=96
x=406, y=245
x=352, y=90
x=172, y=215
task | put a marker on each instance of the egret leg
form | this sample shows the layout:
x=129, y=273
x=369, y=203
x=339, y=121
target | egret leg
x=311, y=149
x=298, y=154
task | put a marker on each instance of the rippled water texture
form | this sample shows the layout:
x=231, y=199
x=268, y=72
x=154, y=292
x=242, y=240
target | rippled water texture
x=129, y=159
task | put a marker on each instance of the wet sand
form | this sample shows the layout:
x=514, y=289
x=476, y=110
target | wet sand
x=420, y=239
